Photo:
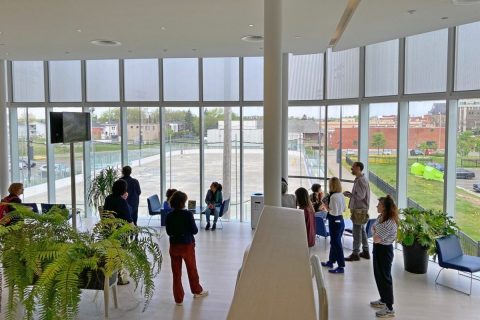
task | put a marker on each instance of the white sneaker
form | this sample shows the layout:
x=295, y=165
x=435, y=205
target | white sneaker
x=385, y=313
x=202, y=294
x=377, y=304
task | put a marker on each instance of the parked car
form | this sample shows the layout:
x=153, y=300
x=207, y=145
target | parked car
x=23, y=164
x=387, y=152
x=60, y=170
x=476, y=187
x=465, y=174
x=436, y=165
x=416, y=152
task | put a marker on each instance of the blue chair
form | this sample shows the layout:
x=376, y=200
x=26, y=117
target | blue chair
x=155, y=209
x=32, y=205
x=321, y=228
x=450, y=256
x=47, y=206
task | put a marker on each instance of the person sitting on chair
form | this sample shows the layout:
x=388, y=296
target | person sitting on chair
x=316, y=197
x=288, y=200
x=166, y=203
x=213, y=199
x=15, y=190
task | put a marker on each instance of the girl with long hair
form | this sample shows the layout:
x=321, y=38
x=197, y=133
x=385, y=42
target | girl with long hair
x=303, y=201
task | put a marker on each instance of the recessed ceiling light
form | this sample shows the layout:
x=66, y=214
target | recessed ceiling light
x=67, y=52
x=250, y=25
x=163, y=28
x=194, y=49
x=252, y=38
x=411, y=11
x=444, y=18
x=79, y=30
x=165, y=50
x=106, y=43
x=297, y=37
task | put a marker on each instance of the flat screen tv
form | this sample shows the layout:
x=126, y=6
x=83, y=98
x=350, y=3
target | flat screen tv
x=66, y=127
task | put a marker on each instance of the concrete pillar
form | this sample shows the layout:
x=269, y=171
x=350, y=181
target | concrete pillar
x=272, y=135
x=4, y=178
x=285, y=116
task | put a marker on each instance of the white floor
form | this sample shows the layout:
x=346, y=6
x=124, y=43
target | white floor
x=219, y=255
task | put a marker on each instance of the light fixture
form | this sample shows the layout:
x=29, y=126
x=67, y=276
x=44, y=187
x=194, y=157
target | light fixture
x=194, y=49
x=412, y=11
x=163, y=28
x=67, y=52
x=79, y=30
x=250, y=25
x=165, y=50
x=253, y=38
x=344, y=20
x=106, y=43
x=444, y=18
x=297, y=37
x=463, y=2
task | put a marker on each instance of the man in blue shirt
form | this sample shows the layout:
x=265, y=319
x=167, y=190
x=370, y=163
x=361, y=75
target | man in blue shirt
x=134, y=191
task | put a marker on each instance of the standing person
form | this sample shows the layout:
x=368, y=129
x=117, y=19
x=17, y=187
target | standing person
x=288, y=200
x=14, y=190
x=304, y=203
x=213, y=199
x=336, y=226
x=359, y=204
x=181, y=229
x=316, y=197
x=134, y=191
x=384, y=234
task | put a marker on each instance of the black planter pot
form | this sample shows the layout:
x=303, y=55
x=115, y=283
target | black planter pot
x=415, y=258
x=93, y=279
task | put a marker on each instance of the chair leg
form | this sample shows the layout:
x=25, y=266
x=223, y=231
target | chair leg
x=149, y=221
x=443, y=285
x=114, y=291
x=106, y=296
x=438, y=276
x=221, y=223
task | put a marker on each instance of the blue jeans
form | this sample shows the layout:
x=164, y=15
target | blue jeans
x=336, y=226
x=215, y=211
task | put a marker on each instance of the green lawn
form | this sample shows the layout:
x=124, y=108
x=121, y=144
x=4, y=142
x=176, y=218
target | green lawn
x=429, y=194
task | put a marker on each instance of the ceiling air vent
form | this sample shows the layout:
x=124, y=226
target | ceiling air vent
x=253, y=38
x=106, y=43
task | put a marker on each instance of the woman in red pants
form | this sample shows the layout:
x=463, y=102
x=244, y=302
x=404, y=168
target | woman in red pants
x=181, y=227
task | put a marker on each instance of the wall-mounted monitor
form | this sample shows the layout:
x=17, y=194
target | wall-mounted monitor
x=66, y=127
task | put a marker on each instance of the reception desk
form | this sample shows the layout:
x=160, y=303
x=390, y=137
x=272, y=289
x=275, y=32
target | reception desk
x=276, y=280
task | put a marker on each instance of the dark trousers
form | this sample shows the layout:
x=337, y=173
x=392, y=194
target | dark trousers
x=134, y=215
x=336, y=226
x=179, y=252
x=382, y=269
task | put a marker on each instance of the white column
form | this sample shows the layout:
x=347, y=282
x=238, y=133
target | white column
x=4, y=178
x=402, y=154
x=450, y=189
x=285, y=116
x=272, y=135
x=363, y=136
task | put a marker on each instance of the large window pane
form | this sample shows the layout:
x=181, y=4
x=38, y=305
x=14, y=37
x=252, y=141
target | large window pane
x=426, y=62
x=467, y=76
x=468, y=168
x=32, y=153
x=65, y=81
x=143, y=138
x=103, y=80
x=182, y=150
x=381, y=69
x=382, y=159
x=105, y=145
x=426, y=145
x=220, y=79
x=252, y=156
x=306, y=142
x=305, y=77
x=180, y=79
x=28, y=81
x=222, y=153
x=253, y=78
x=141, y=80
x=342, y=73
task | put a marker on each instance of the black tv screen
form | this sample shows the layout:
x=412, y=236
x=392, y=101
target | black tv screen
x=66, y=127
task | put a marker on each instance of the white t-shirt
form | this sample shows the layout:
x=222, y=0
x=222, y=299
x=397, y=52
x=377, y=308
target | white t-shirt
x=337, y=204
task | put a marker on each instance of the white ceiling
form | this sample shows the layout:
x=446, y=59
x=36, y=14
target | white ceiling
x=47, y=29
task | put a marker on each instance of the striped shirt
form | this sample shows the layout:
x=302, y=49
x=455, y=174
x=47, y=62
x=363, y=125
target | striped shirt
x=387, y=230
x=360, y=194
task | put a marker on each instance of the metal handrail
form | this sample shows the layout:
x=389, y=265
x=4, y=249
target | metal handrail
x=322, y=291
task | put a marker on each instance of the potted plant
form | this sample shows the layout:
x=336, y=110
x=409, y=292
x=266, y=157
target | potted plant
x=101, y=187
x=43, y=250
x=417, y=232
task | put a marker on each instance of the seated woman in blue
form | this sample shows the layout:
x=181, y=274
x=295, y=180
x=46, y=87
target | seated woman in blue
x=168, y=195
x=213, y=199
x=117, y=201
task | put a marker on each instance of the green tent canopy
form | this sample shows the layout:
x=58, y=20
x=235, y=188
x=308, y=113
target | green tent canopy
x=417, y=169
x=430, y=173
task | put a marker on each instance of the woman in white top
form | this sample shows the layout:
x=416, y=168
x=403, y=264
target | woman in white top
x=336, y=206
x=384, y=234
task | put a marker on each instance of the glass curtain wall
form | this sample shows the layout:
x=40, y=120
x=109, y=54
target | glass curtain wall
x=306, y=146
x=382, y=159
x=143, y=143
x=105, y=146
x=222, y=153
x=252, y=156
x=426, y=145
x=182, y=150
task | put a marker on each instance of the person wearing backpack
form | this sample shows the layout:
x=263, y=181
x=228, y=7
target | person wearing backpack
x=15, y=190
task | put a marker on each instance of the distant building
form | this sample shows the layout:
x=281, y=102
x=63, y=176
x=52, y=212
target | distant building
x=469, y=115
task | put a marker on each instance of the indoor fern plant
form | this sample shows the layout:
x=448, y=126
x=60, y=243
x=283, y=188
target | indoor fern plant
x=101, y=186
x=45, y=251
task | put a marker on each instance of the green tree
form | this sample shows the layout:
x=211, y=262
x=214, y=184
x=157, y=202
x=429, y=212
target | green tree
x=465, y=143
x=378, y=141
